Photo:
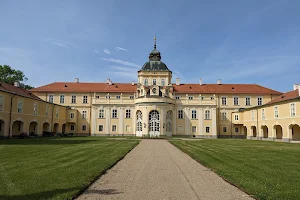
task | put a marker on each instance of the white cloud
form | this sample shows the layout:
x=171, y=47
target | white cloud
x=121, y=49
x=122, y=62
x=59, y=44
x=106, y=51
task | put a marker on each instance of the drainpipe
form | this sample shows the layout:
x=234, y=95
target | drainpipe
x=10, y=113
x=52, y=118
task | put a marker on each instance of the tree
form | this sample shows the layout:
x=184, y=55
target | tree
x=9, y=75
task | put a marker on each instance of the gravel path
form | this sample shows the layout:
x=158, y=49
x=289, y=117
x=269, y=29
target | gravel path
x=155, y=169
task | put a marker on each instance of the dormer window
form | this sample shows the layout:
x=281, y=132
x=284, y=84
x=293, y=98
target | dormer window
x=154, y=81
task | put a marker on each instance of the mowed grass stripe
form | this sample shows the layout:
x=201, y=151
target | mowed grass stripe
x=267, y=170
x=50, y=168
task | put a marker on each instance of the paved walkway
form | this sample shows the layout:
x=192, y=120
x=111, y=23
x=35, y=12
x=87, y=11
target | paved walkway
x=155, y=169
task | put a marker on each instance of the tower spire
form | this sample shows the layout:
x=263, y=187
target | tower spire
x=154, y=40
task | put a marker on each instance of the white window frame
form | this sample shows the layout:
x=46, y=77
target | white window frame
x=259, y=101
x=118, y=96
x=20, y=106
x=224, y=115
x=1, y=102
x=72, y=115
x=127, y=128
x=247, y=104
x=127, y=113
x=114, y=113
x=61, y=98
x=163, y=82
x=154, y=81
x=75, y=99
x=223, y=101
x=51, y=98
x=207, y=114
x=208, y=129
x=131, y=97
x=190, y=97
x=97, y=96
x=101, y=114
x=292, y=109
x=85, y=99
x=236, y=117
x=146, y=82
x=276, y=112
x=180, y=114
x=100, y=129
x=114, y=127
x=194, y=114
x=107, y=96
x=84, y=114
x=235, y=101
x=177, y=97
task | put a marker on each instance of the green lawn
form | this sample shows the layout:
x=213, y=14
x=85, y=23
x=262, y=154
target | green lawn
x=55, y=168
x=267, y=170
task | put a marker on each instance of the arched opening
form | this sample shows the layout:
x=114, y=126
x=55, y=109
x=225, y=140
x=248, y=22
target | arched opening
x=17, y=128
x=46, y=127
x=2, y=128
x=63, y=128
x=265, y=131
x=56, y=128
x=295, y=131
x=254, y=132
x=33, y=129
x=278, y=131
x=154, y=123
x=139, y=124
x=169, y=123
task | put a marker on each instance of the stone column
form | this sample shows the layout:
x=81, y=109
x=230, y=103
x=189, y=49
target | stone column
x=108, y=116
x=145, y=121
x=214, y=123
x=162, y=121
x=187, y=123
x=200, y=121
x=93, y=120
x=121, y=121
x=174, y=118
x=133, y=116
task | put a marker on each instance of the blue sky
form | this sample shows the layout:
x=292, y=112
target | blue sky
x=253, y=41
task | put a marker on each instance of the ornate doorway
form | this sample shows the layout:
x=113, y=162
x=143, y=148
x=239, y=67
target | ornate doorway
x=154, y=123
x=169, y=123
x=139, y=125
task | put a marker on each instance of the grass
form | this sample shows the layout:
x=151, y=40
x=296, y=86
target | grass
x=266, y=170
x=55, y=168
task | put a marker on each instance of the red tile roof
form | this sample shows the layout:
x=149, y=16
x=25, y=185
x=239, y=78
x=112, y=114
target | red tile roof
x=16, y=90
x=286, y=96
x=182, y=88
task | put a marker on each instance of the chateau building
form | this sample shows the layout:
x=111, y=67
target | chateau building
x=154, y=105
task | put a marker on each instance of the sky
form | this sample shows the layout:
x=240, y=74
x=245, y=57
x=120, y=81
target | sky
x=250, y=41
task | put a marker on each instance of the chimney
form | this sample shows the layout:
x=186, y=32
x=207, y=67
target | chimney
x=16, y=84
x=296, y=86
x=219, y=82
x=177, y=81
x=76, y=80
x=132, y=83
x=200, y=81
x=108, y=81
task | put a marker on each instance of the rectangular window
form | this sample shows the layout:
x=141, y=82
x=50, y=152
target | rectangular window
x=20, y=106
x=180, y=114
x=84, y=112
x=51, y=98
x=252, y=115
x=191, y=97
x=127, y=128
x=131, y=97
x=263, y=114
x=224, y=129
x=114, y=113
x=72, y=127
x=118, y=97
x=236, y=117
x=114, y=128
x=194, y=114
x=154, y=81
x=1, y=103
x=83, y=127
x=224, y=115
x=163, y=82
x=194, y=129
x=100, y=128
x=177, y=97
x=35, y=109
x=72, y=115
x=235, y=101
x=73, y=99
x=259, y=101
x=62, y=99
x=101, y=113
x=248, y=101
x=276, y=115
x=145, y=82
x=207, y=129
x=207, y=114
x=127, y=114
x=47, y=110
x=85, y=99
x=236, y=129
x=224, y=101
x=293, y=109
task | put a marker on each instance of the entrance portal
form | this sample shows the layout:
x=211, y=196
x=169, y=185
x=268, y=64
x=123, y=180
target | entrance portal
x=154, y=123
